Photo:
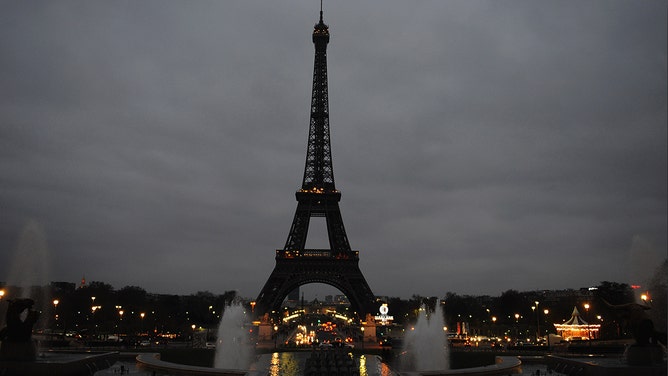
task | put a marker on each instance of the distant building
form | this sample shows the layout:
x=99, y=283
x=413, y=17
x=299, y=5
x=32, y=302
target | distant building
x=63, y=287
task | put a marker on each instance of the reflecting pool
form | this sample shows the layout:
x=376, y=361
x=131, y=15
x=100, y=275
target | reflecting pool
x=296, y=364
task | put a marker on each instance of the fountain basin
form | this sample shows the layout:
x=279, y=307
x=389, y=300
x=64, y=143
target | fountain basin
x=152, y=362
x=504, y=365
x=60, y=363
x=603, y=366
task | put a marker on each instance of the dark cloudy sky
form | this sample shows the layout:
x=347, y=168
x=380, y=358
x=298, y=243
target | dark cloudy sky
x=480, y=146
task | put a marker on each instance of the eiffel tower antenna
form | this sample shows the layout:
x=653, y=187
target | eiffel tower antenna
x=320, y=10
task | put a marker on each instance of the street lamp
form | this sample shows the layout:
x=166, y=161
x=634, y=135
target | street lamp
x=537, y=322
x=586, y=307
x=547, y=331
x=55, y=310
x=362, y=329
x=275, y=336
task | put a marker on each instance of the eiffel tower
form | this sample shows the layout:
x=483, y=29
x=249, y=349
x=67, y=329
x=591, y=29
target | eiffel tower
x=318, y=197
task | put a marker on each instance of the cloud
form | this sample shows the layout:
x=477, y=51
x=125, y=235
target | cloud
x=474, y=142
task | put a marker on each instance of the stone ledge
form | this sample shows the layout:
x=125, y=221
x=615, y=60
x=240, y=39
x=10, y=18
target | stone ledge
x=152, y=362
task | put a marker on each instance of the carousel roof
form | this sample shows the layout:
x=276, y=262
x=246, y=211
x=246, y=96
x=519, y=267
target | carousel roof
x=576, y=322
x=575, y=318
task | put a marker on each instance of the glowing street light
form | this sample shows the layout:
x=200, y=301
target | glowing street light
x=55, y=310
x=533, y=308
x=586, y=307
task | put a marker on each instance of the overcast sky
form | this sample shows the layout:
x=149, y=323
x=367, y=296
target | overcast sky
x=479, y=146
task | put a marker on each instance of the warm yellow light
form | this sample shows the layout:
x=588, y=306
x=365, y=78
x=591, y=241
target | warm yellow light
x=2, y=293
x=55, y=302
x=644, y=297
x=546, y=311
x=586, y=305
x=193, y=326
x=142, y=315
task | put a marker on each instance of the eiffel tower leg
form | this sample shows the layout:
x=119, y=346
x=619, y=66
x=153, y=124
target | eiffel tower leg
x=288, y=274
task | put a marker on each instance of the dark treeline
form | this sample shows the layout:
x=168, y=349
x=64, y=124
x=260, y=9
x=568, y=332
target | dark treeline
x=97, y=308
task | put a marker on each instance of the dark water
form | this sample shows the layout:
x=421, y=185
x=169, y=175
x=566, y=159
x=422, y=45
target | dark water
x=293, y=364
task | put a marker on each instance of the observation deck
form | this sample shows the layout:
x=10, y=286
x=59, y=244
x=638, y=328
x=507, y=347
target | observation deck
x=316, y=254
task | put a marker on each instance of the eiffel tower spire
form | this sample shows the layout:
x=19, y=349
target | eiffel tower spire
x=318, y=172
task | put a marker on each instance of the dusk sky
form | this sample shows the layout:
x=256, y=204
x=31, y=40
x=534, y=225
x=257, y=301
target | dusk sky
x=479, y=146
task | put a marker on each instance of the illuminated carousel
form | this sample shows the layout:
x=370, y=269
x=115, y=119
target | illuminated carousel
x=577, y=329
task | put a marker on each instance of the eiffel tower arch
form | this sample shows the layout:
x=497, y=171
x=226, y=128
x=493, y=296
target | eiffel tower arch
x=337, y=266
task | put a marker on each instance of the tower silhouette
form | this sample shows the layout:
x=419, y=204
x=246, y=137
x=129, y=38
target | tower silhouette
x=337, y=266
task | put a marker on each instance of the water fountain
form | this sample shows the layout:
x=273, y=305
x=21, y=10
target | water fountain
x=426, y=351
x=426, y=344
x=233, y=348
x=234, y=352
x=19, y=354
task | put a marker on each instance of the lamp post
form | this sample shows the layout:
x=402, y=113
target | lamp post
x=275, y=335
x=586, y=307
x=192, y=342
x=537, y=322
x=120, y=320
x=55, y=310
x=547, y=332
x=362, y=329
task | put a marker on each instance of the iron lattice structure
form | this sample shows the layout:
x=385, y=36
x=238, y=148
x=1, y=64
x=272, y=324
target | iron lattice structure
x=337, y=266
